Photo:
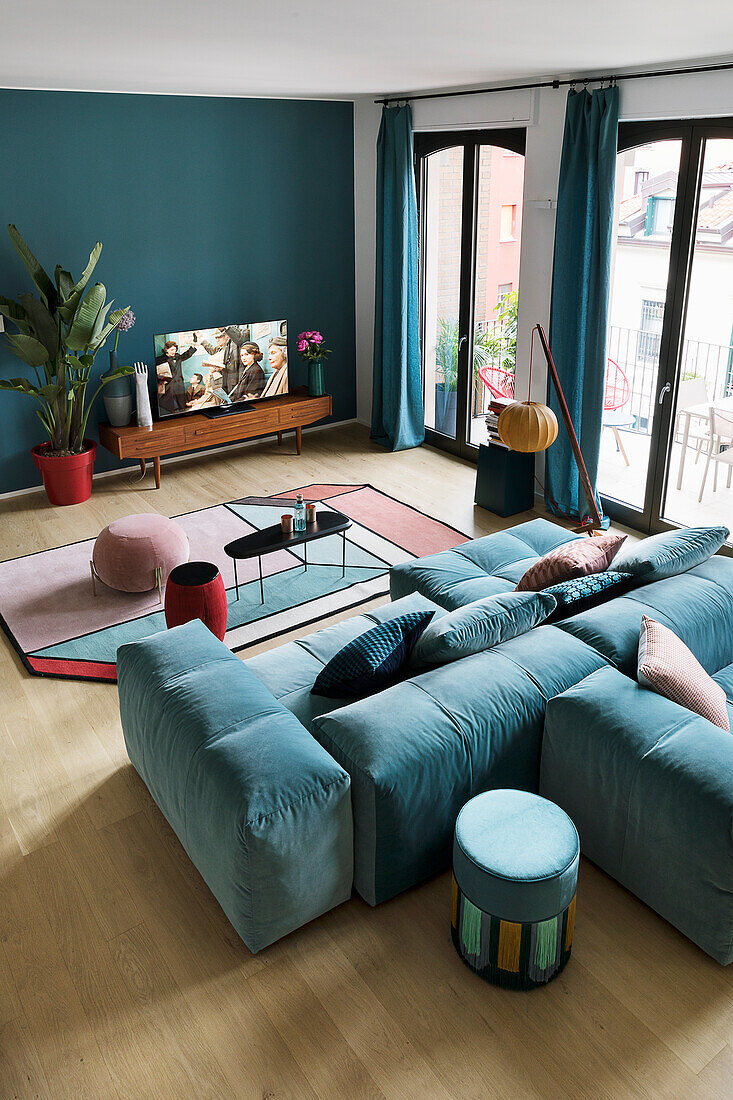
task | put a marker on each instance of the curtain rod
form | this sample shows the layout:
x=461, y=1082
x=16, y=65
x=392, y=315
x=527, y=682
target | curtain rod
x=557, y=83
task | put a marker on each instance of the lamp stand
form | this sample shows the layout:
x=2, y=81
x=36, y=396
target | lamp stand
x=594, y=520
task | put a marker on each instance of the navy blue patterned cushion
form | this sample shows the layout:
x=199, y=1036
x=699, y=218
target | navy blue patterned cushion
x=581, y=593
x=373, y=659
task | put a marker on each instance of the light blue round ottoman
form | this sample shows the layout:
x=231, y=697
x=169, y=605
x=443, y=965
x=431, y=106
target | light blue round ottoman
x=515, y=873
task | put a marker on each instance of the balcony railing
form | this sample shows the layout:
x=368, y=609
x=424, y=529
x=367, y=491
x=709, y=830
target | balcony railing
x=637, y=354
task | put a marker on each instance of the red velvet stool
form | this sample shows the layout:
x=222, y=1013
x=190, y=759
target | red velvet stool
x=195, y=590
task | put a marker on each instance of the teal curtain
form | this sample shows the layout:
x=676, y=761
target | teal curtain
x=398, y=419
x=581, y=286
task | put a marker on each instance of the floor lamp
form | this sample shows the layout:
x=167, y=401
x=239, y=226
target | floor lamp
x=530, y=426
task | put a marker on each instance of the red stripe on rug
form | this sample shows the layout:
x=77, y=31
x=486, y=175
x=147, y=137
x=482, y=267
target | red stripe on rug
x=55, y=666
x=405, y=526
x=318, y=492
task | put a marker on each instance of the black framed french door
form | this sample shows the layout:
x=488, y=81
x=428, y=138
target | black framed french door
x=470, y=188
x=670, y=348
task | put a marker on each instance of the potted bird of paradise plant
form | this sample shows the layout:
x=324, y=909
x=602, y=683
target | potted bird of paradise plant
x=59, y=333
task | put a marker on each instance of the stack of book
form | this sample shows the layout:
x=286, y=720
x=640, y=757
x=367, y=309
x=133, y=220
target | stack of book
x=496, y=408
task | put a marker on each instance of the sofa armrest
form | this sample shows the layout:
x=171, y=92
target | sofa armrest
x=649, y=786
x=261, y=808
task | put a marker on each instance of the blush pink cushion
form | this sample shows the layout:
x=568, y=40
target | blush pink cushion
x=572, y=559
x=127, y=553
x=668, y=667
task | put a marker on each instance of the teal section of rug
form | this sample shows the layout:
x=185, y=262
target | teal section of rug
x=283, y=591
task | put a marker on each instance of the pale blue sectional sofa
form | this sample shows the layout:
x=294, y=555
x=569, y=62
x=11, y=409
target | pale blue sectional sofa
x=284, y=800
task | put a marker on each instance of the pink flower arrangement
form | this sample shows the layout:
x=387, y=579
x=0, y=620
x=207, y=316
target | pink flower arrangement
x=312, y=345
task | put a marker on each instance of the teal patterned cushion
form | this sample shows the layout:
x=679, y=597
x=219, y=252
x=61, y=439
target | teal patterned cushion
x=583, y=592
x=372, y=660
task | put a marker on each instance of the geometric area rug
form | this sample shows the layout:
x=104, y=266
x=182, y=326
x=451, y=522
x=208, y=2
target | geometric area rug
x=59, y=628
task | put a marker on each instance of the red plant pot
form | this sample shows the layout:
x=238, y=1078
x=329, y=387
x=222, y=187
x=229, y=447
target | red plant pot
x=67, y=479
x=195, y=590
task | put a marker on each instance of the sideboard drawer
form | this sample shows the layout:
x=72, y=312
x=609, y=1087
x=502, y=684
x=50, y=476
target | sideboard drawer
x=229, y=430
x=148, y=444
x=305, y=411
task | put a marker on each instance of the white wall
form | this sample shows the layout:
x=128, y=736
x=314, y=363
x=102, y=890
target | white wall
x=543, y=113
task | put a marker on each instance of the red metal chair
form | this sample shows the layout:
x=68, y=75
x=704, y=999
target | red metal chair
x=617, y=390
x=499, y=382
x=616, y=394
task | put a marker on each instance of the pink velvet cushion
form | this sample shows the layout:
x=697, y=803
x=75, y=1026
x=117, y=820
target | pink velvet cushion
x=572, y=559
x=127, y=553
x=668, y=667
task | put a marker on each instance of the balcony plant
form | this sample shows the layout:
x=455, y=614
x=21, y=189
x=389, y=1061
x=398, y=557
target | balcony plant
x=59, y=333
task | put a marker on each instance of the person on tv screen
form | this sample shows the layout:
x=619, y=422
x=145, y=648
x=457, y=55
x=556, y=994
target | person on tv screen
x=213, y=394
x=175, y=392
x=277, y=356
x=195, y=388
x=252, y=377
x=229, y=341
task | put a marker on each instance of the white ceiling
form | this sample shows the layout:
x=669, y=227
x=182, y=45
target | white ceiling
x=341, y=47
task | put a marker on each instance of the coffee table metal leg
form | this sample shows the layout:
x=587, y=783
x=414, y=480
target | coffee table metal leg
x=343, y=553
x=262, y=587
x=305, y=556
x=236, y=579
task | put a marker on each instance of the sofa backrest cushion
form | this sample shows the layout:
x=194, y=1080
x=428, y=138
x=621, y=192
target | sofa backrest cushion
x=483, y=567
x=670, y=552
x=697, y=606
x=481, y=625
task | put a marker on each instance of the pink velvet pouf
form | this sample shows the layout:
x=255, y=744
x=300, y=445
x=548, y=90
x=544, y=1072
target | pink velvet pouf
x=136, y=553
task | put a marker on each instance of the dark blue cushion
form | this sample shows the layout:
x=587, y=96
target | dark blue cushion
x=373, y=660
x=582, y=592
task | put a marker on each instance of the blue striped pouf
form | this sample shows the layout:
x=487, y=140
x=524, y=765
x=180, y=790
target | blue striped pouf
x=515, y=874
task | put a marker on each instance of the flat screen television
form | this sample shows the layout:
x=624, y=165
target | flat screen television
x=220, y=370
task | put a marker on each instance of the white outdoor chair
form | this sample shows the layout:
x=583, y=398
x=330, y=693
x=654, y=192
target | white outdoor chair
x=721, y=435
x=693, y=392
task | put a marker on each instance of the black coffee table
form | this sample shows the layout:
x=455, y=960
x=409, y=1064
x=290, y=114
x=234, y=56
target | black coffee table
x=270, y=539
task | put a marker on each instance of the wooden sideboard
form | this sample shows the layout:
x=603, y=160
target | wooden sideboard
x=181, y=434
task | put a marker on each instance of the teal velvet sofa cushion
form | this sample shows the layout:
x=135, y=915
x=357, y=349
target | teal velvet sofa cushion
x=481, y=625
x=289, y=671
x=482, y=567
x=696, y=605
x=419, y=750
x=649, y=786
x=670, y=552
x=262, y=810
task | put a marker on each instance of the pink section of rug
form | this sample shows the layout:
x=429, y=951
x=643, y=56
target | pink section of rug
x=392, y=519
x=36, y=623
x=319, y=492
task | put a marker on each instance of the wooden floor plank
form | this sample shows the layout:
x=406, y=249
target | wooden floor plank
x=21, y=1072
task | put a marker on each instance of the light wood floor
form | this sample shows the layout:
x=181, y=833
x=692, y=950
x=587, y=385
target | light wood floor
x=120, y=976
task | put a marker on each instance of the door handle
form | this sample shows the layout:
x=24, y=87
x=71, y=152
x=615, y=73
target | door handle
x=461, y=342
x=664, y=391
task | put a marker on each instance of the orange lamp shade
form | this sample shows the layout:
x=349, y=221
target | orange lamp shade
x=527, y=426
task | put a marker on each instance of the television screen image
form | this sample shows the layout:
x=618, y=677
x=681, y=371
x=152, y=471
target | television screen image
x=208, y=368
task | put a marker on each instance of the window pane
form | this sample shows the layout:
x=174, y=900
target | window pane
x=646, y=190
x=441, y=255
x=703, y=416
x=498, y=237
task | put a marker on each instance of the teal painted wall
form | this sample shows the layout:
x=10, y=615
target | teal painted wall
x=211, y=211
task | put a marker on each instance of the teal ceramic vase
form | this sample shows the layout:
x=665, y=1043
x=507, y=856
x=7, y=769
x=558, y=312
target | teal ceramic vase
x=117, y=396
x=315, y=378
